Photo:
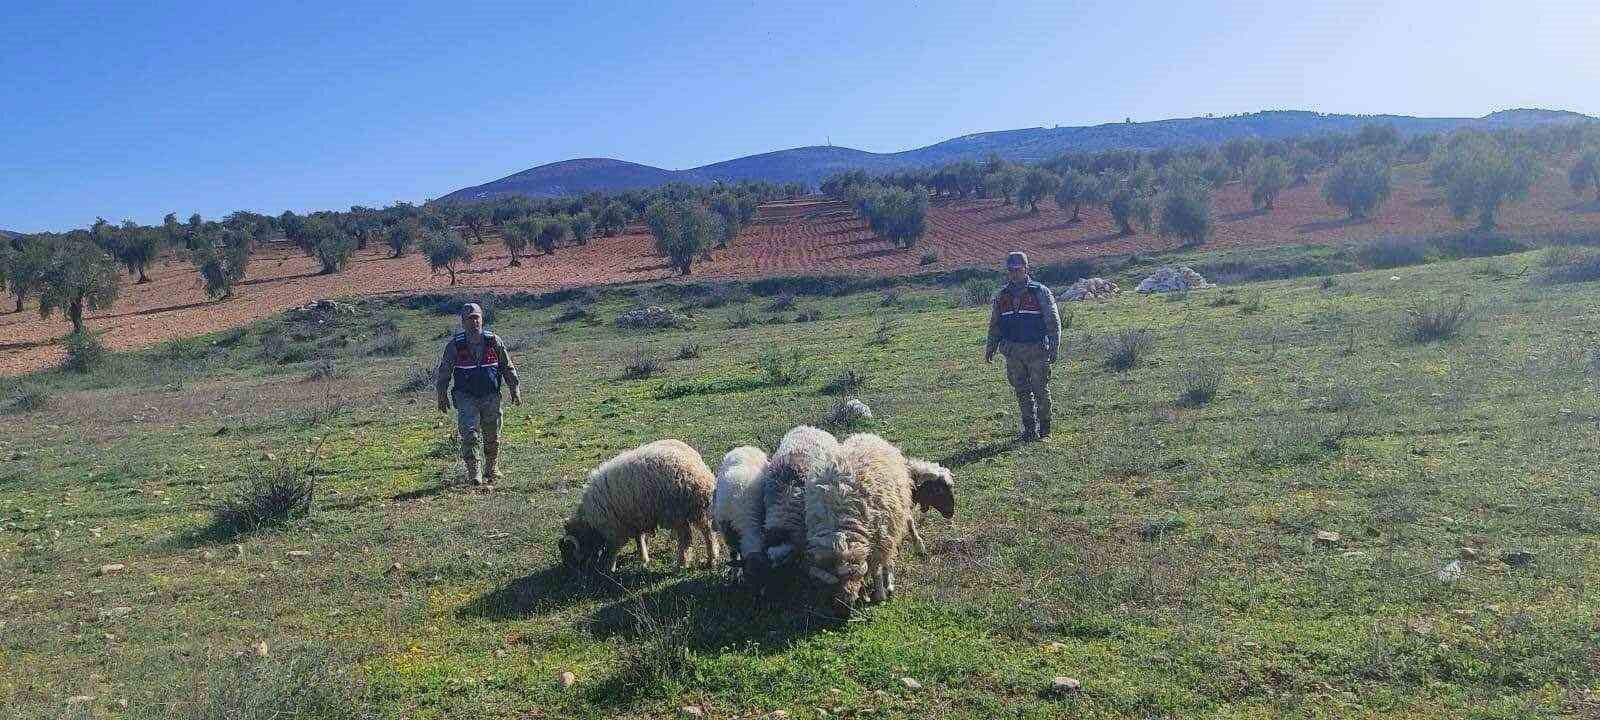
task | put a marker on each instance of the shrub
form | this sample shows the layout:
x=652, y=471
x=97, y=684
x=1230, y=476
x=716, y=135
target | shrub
x=1186, y=212
x=889, y=298
x=928, y=258
x=808, y=315
x=29, y=399
x=269, y=497
x=572, y=311
x=642, y=362
x=1431, y=322
x=1585, y=173
x=847, y=381
x=741, y=317
x=1327, y=282
x=688, y=350
x=1266, y=177
x=552, y=230
x=781, y=369
x=725, y=294
x=846, y=413
x=1199, y=386
x=1122, y=350
x=1359, y=184
x=1281, y=443
x=781, y=303
x=304, y=685
x=1565, y=264
x=883, y=334
x=85, y=352
x=976, y=293
x=1477, y=175
x=416, y=378
x=324, y=368
x=1391, y=253
x=1255, y=303
x=391, y=344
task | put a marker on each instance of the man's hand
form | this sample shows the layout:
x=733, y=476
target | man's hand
x=1050, y=354
x=988, y=356
x=444, y=404
x=516, y=396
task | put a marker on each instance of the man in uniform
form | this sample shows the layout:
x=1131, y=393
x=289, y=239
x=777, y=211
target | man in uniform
x=1024, y=327
x=478, y=363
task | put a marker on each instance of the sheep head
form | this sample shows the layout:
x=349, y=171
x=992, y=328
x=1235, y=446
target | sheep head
x=932, y=487
x=582, y=547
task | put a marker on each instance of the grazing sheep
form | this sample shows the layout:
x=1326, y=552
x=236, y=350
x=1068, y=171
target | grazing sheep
x=857, y=513
x=932, y=488
x=736, y=504
x=802, y=455
x=662, y=484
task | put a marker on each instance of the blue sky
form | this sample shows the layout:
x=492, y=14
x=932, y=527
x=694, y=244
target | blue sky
x=132, y=110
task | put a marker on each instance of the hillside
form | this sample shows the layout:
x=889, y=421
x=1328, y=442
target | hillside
x=810, y=165
x=809, y=237
x=9, y=233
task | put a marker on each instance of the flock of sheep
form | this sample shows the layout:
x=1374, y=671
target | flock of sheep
x=827, y=512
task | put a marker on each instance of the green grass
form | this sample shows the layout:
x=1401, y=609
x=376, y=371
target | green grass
x=1162, y=554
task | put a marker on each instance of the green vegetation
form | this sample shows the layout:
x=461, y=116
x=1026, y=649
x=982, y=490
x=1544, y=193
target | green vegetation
x=1478, y=176
x=1266, y=177
x=1359, y=184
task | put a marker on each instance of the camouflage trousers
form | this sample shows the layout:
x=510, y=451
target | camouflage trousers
x=1028, y=371
x=473, y=415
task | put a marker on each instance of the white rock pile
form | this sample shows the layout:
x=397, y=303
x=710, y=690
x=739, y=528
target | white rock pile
x=652, y=316
x=1172, y=279
x=849, y=411
x=1090, y=289
x=320, y=310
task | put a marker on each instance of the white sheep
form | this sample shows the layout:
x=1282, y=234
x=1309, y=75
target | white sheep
x=857, y=513
x=802, y=455
x=735, y=505
x=662, y=484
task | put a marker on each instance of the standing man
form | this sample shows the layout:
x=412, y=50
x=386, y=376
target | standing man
x=478, y=363
x=1025, y=328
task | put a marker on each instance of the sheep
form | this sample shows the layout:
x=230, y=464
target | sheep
x=932, y=488
x=802, y=455
x=735, y=505
x=857, y=513
x=662, y=484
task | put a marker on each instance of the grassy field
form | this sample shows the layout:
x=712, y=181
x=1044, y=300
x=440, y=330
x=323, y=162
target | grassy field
x=1164, y=553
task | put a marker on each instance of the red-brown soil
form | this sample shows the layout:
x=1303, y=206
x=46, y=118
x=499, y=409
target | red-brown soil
x=805, y=237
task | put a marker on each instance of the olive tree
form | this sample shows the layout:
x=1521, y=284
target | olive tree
x=899, y=215
x=446, y=251
x=683, y=229
x=78, y=275
x=1238, y=153
x=613, y=218
x=1186, y=210
x=402, y=236
x=1266, y=177
x=1037, y=184
x=1005, y=182
x=221, y=256
x=552, y=230
x=1359, y=184
x=24, y=268
x=582, y=227
x=1127, y=198
x=1585, y=173
x=136, y=248
x=726, y=206
x=1479, y=175
x=1078, y=188
x=518, y=235
x=328, y=243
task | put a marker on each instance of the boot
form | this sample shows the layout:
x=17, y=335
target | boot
x=1044, y=427
x=473, y=478
x=491, y=456
x=1027, y=435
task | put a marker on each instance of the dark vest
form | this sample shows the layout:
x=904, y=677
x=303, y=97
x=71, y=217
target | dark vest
x=478, y=377
x=1021, y=315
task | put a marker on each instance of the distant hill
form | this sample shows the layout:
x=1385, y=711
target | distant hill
x=8, y=234
x=811, y=164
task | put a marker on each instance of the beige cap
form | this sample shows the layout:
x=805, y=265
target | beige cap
x=1017, y=259
x=471, y=309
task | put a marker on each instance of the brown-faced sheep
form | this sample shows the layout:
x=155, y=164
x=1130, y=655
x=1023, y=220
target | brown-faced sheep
x=857, y=513
x=659, y=485
x=802, y=456
x=736, y=504
x=932, y=488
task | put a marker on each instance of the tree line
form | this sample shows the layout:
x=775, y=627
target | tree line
x=1168, y=191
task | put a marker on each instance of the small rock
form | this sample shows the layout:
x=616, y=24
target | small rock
x=1055, y=647
x=299, y=554
x=566, y=679
x=207, y=555
x=122, y=703
x=499, y=652
x=1518, y=557
x=116, y=612
x=1065, y=685
x=111, y=568
x=393, y=568
x=1326, y=538
x=1451, y=572
x=1462, y=614
x=238, y=551
x=779, y=715
x=691, y=711
x=259, y=648
x=911, y=683
x=1467, y=553
x=883, y=695
x=80, y=699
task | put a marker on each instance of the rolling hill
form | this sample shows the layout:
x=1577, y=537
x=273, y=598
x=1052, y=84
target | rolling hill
x=811, y=164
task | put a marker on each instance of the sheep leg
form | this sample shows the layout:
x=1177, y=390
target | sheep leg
x=888, y=581
x=711, y=542
x=644, y=550
x=916, y=537
x=685, y=543
x=875, y=572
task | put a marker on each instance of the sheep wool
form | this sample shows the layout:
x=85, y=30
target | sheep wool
x=735, y=503
x=802, y=456
x=664, y=484
x=857, y=513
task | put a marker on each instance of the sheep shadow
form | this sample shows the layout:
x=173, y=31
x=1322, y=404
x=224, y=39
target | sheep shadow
x=551, y=589
x=1311, y=227
x=1013, y=217
x=982, y=452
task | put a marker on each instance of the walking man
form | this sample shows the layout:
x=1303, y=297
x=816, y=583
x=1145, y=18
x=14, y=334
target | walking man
x=1025, y=328
x=476, y=361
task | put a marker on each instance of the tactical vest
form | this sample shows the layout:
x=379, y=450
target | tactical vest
x=478, y=377
x=1021, y=316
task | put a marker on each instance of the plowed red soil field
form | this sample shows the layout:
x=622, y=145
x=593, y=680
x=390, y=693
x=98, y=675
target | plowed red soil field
x=808, y=237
